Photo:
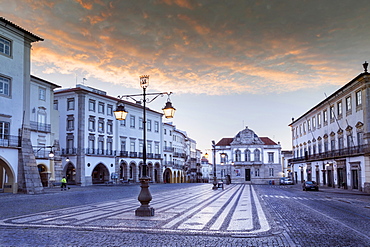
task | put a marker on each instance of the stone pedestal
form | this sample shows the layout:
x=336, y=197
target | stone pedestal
x=144, y=197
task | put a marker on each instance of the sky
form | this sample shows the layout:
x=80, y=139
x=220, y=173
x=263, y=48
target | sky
x=229, y=63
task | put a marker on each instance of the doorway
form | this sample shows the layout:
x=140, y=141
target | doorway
x=355, y=179
x=247, y=175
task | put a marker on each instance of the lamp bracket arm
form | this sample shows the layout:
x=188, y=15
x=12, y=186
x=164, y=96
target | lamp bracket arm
x=132, y=96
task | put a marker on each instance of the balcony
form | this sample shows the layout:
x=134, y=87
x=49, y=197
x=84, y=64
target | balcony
x=168, y=149
x=42, y=127
x=69, y=151
x=123, y=153
x=133, y=154
x=9, y=141
x=99, y=152
x=335, y=154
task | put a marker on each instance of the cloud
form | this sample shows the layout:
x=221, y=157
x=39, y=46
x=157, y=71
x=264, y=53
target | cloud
x=197, y=46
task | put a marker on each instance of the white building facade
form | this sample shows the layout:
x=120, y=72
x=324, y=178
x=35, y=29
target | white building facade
x=44, y=125
x=97, y=148
x=331, y=141
x=100, y=148
x=18, y=170
x=247, y=158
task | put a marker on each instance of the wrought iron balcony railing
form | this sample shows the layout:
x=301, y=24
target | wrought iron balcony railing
x=339, y=153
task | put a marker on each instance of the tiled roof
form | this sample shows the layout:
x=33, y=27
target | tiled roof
x=224, y=142
x=36, y=38
x=268, y=141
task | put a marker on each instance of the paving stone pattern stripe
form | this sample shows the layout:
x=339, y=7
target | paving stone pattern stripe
x=233, y=211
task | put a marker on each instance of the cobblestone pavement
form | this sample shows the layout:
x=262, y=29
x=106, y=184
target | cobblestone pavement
x=185, y=215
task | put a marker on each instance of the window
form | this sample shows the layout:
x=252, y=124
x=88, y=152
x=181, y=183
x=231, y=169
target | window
x=42, y=93
x=149, y=148
x=348, y=104
x=313, y=122
x=271, y=157
x=309, y=125
x=358, y=98
x=70, y=104
x=325, y=116
x=156, y=126
x=257, y=155
x=339, y=109
x=123, y=145
x=70, y=140
x=237, y=155
x=132, y=121
x=165, y=131
x=359, y=138
x=110, y=127
x=304, y=127
x=247, y=155
x=101, y=107
x=55, y=106
x=91, y=105
x=332, y=113
x=132, y=146
x=91, y=123
x=4, y=86
x=5, y=46
x=319, y=120
x=91, y=144
x=320, y=147
x=101, y=125
x=349, y=141
x=109, y=146
x=141, y=124
x=149, y=125
x=340, y=143
x=70, y=122
x=326, y=146
x=271, y=172
x=101, y=145
x=156, y=148
x=141, y=146
x=110, y=110
x=4, y=130
x=123, y=122
x=257, y=172
x=332, y=145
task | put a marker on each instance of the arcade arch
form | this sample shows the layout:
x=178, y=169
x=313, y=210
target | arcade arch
x=70, y=173
x=44, y=174
x=133, y=174
x=100, y=174
x=123, y=170
x=7, y=178
x=167, y=176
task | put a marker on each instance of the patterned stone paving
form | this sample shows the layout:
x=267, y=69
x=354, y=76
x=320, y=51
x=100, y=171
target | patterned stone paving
x=235, y=211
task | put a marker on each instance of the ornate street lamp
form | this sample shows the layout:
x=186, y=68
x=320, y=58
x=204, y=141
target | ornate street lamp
x=120, y=113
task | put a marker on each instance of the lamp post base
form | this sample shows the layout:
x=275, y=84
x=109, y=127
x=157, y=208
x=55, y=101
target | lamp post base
x=215, y=185
x=144, y=198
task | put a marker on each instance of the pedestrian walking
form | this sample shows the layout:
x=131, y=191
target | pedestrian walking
x=64, y=183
